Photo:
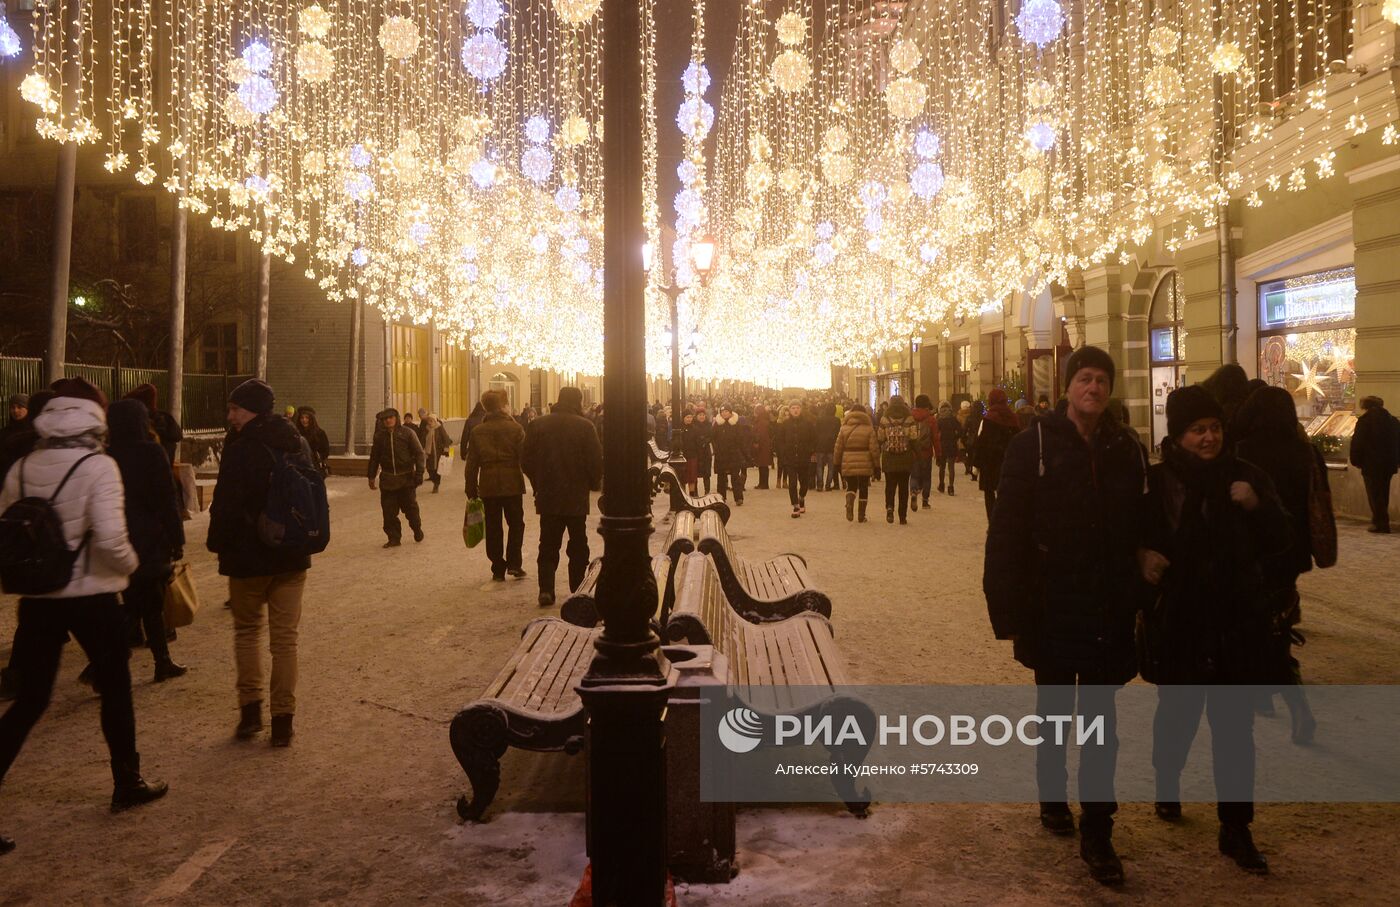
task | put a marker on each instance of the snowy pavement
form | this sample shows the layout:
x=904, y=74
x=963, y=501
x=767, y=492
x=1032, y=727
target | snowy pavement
x=360, y=808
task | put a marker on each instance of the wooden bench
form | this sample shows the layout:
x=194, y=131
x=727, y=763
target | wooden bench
x=798, y=654
x=655, y=454
x=581, y=608
x=681, y=501
x=774, y=589
x=530, y=704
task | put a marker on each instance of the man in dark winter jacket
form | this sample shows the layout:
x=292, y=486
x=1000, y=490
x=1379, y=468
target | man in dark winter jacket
x=1375, y=450
x=167, y=428
x=398, y=454
x=493, y=474
x=828, y=427
x=732, y=443
x=1061, y=581
x=259, y=577
x=950, y=432
x=564, y=461
x=924, y=450
x=796, y=445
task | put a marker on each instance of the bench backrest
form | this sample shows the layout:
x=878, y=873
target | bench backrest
x=655, y=452
x=712, y=527
x=680, y=538
x=700, y=614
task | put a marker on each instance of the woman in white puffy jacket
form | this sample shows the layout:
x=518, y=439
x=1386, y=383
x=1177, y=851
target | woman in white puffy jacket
x=91, y=507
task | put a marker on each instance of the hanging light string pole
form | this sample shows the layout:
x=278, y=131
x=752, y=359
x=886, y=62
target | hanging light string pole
x=628, y=682
x=702, y=256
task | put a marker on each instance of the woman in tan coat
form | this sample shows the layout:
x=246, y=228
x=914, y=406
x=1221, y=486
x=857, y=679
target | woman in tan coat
x=856, y=455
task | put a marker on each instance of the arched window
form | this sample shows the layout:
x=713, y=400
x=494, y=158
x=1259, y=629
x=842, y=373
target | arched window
x=1167, y=340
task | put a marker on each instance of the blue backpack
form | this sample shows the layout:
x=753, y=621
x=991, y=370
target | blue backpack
x=297, y=516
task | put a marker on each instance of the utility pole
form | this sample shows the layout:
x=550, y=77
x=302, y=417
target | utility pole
x=65, y=181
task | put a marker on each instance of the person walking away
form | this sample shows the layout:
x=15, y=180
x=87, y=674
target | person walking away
x=397, y=453
x=762, y=445
x=779, y=426
x=950, y=433
x=83, y=488
x=316, y=439
x=153, y=525
x=970, y=413
x=898, y=435
x=828, y=427
x=1269, y=437
x=1213, y=521
x=856, y=454
x=564, y=460
x=494, y=475
x=927, y=450
x=266, y=584
x=1061, y=580
x=167, y=428
x=690, y=446
x=1375, y=450
x=703, y=432
x=797, y=450
x=733, y=444
x=995, y=431
x=436, y=442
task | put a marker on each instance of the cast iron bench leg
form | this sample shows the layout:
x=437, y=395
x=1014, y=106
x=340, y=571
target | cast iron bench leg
x=478, y=737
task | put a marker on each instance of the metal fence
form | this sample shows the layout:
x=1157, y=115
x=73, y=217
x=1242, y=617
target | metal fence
x=205, y=395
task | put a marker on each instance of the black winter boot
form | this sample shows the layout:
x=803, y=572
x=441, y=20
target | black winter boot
x=168, y=669
x=1168, y=811
x=1057, y=818
x=850, y=506
x=281, y=730
x=250, y=724
x=861, y=512
x=1237, y=843
x=129, y=788
x=1097, y=852
x=6, y=844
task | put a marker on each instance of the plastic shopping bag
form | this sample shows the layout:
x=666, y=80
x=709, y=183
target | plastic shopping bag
x=474, y=524
x=181, y=599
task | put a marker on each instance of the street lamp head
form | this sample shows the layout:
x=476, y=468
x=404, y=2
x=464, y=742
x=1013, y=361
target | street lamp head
x=702, y=255
x=646, y=257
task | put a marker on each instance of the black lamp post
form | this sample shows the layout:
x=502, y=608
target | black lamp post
x=628, y=682
x=702, y=258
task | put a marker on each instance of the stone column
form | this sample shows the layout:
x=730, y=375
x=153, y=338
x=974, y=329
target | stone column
x=1376, y=231
x=1111, y=324
x=1199, y=263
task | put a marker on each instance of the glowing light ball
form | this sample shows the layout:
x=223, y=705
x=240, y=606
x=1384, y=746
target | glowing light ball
x=258, y=56
x=315, y=62
x=758, y=177
x=837, y=169
x=905, y=97
x=536, y=163
x=419, y=232
x=695, y=118
x=237, y=114
x=824, y=253
x=360, y=156
x=405, y=164
x=484, y=56
x=1391, y=11
x=873, y=222
x=314, y=21
x=237, y=71
x=484, y=13
x=759, y=146
x=399, y=37
x=1041, y=136
x=790, y=179
x=313, y=163
x=687, y=172
x=791, y=71
x=1227, y=58
x=574, y=131
x=257, y=185
x=873, y=194
x=927, y=144
x=1040, y=22
x=258, y=95
x=905, y=56
x=360, y=257
x=825, y=230
x=35, y=89
x=9, y=41
x=576, y=12
x=1163, y=86
x=483, y=174
x=1039, y=94
x=1162, y=41
x=696, y=78
x=359, y=186
x=792, y=29
x=835, y=138
x=926, y=181
x=537, y=129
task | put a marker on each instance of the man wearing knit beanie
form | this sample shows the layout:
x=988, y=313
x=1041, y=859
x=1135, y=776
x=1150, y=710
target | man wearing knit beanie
x=265, y=584
x=166, y=426
x=1061, y=561
x=80, y=389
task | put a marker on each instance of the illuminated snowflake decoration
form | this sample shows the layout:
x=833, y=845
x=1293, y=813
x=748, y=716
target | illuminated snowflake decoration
x=1040, y=21
x=695, y=118
x=926, y=181
x=360, y=156
x=485, y=13
x=483, y=173
x=484, y=56
x=258, y=95
x=567, y=199
x=696, y=78
x=825, y=230
x=360, y=257
x=927, y=144
x=359, y=186
x=258, y=56
x=537, y=129
x=536, y=163
x=1041, y=136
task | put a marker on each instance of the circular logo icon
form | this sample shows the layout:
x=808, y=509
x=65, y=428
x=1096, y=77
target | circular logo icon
x=741, y=730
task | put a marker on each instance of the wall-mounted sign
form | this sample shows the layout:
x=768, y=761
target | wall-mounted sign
x=1164, y=345
x=1317, y=298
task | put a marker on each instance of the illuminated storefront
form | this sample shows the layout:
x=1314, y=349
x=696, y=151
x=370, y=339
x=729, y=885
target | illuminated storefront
x=1307, y=339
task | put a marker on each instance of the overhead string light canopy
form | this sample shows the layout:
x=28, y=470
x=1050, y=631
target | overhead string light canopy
x=880, y=166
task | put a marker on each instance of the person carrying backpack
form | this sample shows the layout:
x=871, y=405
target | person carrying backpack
x=898, y=435
x=262, y=578
x=64, y=550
